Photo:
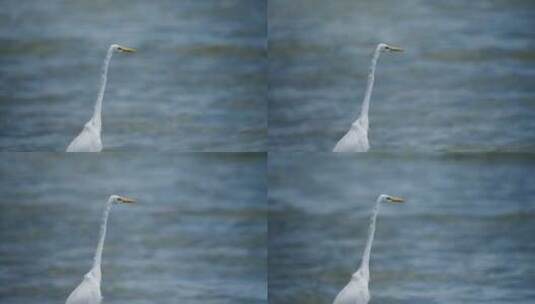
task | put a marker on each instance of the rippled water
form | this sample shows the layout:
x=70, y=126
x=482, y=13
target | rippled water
x=196, y=235
x=465, y=234
x=197, y=82
x=464, y=83
x=203, y=80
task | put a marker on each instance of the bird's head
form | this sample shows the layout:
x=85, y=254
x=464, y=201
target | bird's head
x=117, y=199
x=383, y=47
x=123, y=49
x=384, y=198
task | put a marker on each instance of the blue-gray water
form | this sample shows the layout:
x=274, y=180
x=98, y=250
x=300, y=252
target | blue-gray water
x=197, y=234
x=196, y=83
x=465, y=234
x=464, y=83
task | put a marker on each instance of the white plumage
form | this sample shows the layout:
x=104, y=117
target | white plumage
x=88, y=292
x=357, y=291
x=356, y=139
x=89, y=138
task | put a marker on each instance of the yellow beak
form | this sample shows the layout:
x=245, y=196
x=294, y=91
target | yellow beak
x=395, y=199
x=395, y=49
x=126, y=49
x=126, y=200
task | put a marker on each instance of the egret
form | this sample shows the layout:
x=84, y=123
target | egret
x=356, y=139
x=88, y=292
x=89, y=138
x=356, y=291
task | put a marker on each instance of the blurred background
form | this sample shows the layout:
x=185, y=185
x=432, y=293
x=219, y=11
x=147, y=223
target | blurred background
x=197, y=234
x=464, y=83
x=197, y=82
x=465, y=234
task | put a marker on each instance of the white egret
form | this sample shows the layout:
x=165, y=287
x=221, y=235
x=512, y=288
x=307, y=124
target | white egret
x=356, y=291
x=356, y=139
x=88, y=292
x=89, y=138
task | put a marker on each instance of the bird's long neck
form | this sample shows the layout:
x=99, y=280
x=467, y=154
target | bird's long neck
x=363, y=118
x=365, y=263
x=97, y=115
x=98, y=254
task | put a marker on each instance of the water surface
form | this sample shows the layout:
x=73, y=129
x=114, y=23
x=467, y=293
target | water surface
x=197, y=82
x=465, y=234
x=464, y=83
x=196, y=235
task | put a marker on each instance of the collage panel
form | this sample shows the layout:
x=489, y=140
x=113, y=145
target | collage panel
x=463, y=81
x=464, y=233
x=217, y=119
x=196, y=81
x=196, y=232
